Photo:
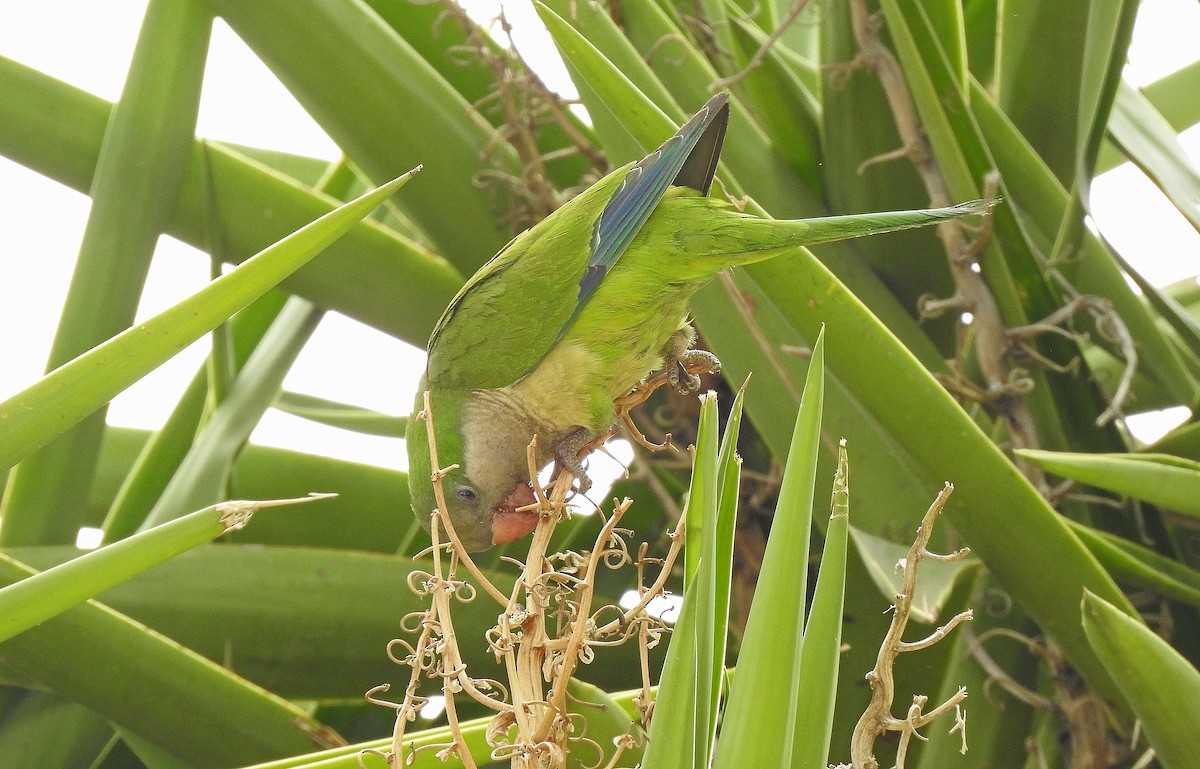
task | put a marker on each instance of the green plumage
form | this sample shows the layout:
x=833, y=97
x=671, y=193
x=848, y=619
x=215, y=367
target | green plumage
x=577, y=310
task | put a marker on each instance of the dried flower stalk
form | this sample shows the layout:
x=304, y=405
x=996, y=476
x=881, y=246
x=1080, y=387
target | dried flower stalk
x=878, y=718
x=546, y=628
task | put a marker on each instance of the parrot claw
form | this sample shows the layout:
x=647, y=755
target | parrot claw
x=680, y=370
x=682, y=364
x=567, y=454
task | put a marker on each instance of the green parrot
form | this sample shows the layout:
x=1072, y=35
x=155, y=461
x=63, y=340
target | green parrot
x=577, y=310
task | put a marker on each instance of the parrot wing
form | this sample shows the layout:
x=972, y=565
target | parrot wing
x=511, y=313
x=687, y=159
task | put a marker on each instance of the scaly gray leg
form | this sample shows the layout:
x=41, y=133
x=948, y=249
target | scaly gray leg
x=567, y=455
x=680, y=357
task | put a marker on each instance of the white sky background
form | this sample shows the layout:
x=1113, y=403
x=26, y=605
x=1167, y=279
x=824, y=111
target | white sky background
x=89, y=45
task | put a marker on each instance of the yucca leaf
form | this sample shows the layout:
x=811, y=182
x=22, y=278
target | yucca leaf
x=373, y=274
x=1162, y=687
x=345, y=416
x=820, y=653
x=173, y=697
x=1164, y=480
x=62, y=398
x=760, y=716
x=138, y=175
x=202, y=476
x=47, y=594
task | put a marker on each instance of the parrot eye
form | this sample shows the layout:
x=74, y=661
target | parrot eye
x=467, y=494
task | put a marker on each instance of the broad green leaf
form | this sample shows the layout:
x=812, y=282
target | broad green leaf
x=933, y=588
x=857, y=130
x=1162, y=687
x=1063, y=407
x=1149, y=141
x=307, y=623
x=980, y=18
x=1139, y=565
x=673, y=730
x=1185, y=326
x=202, y=477
x=1162, y=479
x=143, y=482
x=1183, y=441
x=440, y=42
x=173, y=697
x=443, y=43
x=388, y=110
x=29, y=723
x=691, y=677
x=1040, y=201
x=702, y=494
x=138, y=175
x=605, y=719
x=597, y=60
x=62, y=398
x=149, y=754
x=612, y=42
x=1042, y=94
x=372, y=274
x=721, y=522
x=715, y=19
x=761, y=712
x=473, y=733
x=1106, y=43
x=880, y=379
x=820, y=654
x=375, y=499
x=1173, y=94
x=1015, y=290
x=157, y=462
x=711, y=578
x=355, y=418
x=782, y=94
x=729, y=465
x=47, y=594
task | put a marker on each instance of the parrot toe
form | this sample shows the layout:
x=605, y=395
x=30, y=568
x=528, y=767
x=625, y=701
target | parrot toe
x=682, y=372
x=567, y=454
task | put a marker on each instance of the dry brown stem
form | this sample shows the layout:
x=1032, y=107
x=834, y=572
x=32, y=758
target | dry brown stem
x=1085, y=722
x=756, y=60
x=548, y=626
x=878, y=718
x=1107, y=323
x=526, y=106
x=971, y=292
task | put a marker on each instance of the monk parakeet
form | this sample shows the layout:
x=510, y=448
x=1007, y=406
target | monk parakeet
x=576, y=311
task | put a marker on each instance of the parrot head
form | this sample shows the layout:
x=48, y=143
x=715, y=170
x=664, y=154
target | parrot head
x=482, y=506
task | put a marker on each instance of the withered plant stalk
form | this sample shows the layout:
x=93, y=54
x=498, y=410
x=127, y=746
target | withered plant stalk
x=878, y=718
x=547, y=626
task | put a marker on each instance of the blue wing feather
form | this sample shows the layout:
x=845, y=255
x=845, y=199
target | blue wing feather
x=689, y=158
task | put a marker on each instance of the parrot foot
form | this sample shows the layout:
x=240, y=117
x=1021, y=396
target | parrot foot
x=567, y=454
x=681, y=363
x=680, y=370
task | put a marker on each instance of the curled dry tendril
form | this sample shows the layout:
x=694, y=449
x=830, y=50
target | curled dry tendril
x=548, y=625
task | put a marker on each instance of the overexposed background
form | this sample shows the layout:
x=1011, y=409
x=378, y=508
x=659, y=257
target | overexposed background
x=90, y=44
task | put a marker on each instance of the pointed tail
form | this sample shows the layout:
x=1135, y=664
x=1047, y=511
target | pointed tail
x=741, y=239
x=832, y=228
